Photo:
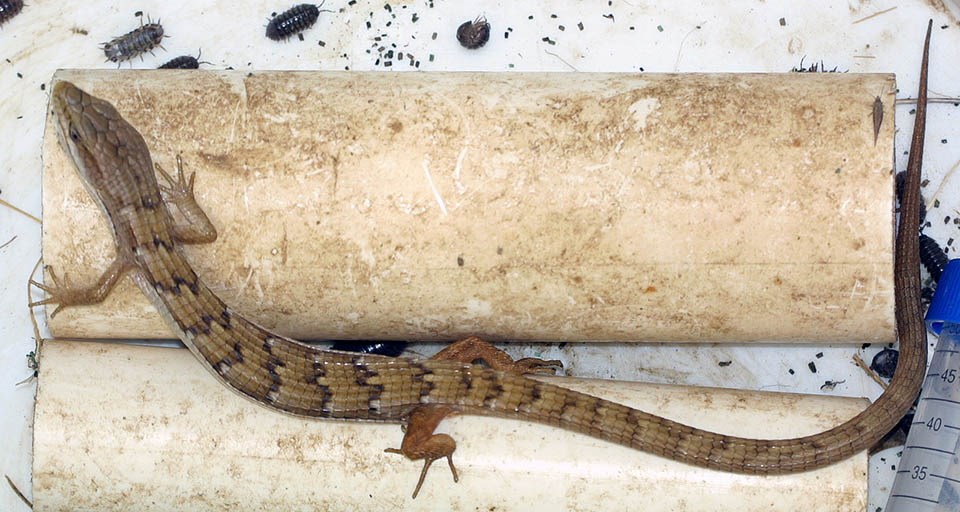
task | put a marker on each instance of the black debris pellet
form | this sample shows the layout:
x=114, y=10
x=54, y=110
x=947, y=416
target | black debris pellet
x=292, y=21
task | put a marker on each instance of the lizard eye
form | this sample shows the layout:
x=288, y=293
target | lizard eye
x=74, y=134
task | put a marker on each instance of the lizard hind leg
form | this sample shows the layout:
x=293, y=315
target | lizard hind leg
x=419, y=441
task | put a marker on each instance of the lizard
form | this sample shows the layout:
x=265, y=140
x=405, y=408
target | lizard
x=292, y=377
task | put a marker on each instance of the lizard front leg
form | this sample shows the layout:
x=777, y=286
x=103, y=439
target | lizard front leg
x=194, y=228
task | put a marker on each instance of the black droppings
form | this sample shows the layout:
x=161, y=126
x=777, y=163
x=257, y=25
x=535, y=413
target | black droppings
x=812, y=366
x=830, y=385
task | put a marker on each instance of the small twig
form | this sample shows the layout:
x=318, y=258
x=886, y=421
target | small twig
x=8, y=242
x=866, y=368
x=676, y=64
x=548, y=52
x=929, y=100
x=18, y=493
x=943, y=182
x=36, y=327
x=874, y=15
x=18, y=210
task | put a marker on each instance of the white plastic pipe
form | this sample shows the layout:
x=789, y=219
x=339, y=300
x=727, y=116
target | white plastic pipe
x=122, y=427
x=520, y=206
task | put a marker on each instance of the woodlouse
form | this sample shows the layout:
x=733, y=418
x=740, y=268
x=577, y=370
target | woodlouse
x=932, y=257
x=9, y=9
x=184, y=62
x=134, y=43
x=877, y=118
x=292, y=21
x=474, y=34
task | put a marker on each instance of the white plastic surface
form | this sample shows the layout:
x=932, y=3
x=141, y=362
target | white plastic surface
x=682, y=35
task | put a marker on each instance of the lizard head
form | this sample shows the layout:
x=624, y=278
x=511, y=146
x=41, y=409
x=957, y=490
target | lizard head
x=105, y=148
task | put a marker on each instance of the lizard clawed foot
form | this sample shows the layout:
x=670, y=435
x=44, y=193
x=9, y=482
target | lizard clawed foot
x=59, y=293
x=179, y=189
x=419, y=441
x=529, y=365
x=64, y=294
x=192, y=226
x=427, y=461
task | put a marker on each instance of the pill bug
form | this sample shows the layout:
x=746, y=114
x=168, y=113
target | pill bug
x=900, y=180
x=877, y=118
x=9, y=9
x=292, y=21
x=932, y=257
x=474, y=34
x=885, y=362
x=134, y=43
x=184, y=62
